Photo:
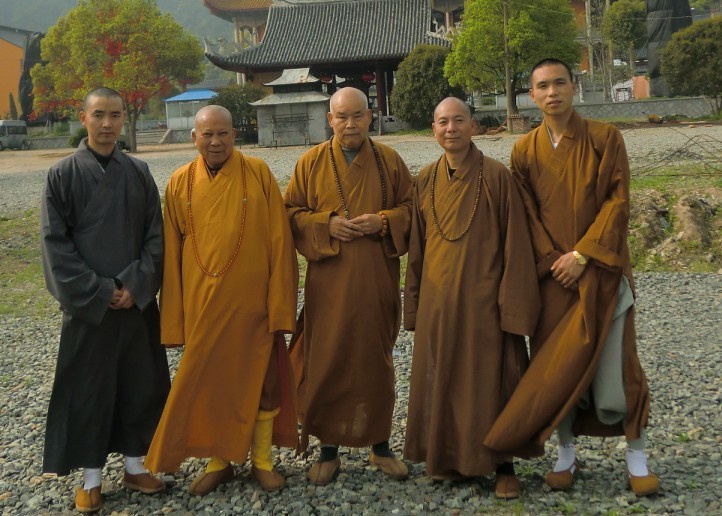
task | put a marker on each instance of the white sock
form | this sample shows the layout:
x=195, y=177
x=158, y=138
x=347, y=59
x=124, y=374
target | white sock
x=565, y=460
x=91, y=478
x=637, y=463
x=134, y=465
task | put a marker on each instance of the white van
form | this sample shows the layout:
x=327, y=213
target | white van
x=13, y=134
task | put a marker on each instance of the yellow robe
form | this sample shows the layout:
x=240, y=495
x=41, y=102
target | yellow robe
x=226, y=323
x=469, y=301
x=352, y=299
x=577, y=197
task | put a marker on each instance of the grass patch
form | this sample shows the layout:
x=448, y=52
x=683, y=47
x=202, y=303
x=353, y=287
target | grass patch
x=412, y=132
x=21, y=274
x=679, y=179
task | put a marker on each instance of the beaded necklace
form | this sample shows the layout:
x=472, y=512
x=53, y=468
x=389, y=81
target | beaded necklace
x=433, y=202
x=338, y=181
x=191, y=177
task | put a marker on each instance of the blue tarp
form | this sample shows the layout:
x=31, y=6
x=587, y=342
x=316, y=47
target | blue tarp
x=193, y=95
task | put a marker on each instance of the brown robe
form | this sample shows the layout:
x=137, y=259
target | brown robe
x=577, y=197
x=352, y=307
x=469, y=301
x=226, y=323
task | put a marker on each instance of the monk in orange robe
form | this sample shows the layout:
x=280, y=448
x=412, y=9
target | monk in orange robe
x=229, y=294
x=585, y=376
x=349, y=203
x=471, y=295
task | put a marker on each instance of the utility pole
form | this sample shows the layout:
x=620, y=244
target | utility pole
x=507, y=71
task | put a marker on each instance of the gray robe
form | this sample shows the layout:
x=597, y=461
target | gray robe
x=111, y=380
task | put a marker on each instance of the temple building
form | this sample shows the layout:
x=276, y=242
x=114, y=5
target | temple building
x=356, y=43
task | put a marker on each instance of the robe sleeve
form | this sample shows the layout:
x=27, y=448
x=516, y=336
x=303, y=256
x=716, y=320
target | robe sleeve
x=544, y=251
x=310, y=229
x=605, y=238
x=415, y=264
x=283, y=283
x=172, y=317
x=519, y=299
x=80, y=291
x=396, y=241
x=143, y=276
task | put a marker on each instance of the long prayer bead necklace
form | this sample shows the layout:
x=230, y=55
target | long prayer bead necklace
x=338, y=181
x=191, y=177
x=433, y=202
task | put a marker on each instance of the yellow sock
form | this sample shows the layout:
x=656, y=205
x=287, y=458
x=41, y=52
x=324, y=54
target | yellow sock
x=262, y=436
x=216, y=464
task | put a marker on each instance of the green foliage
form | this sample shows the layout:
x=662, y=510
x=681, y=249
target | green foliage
x=13, y=107
x=420, y=85
x=127, y=45
x=537, y=29
x=692, y=61
x=624, y=27
x=236, y=99
x=75, y=140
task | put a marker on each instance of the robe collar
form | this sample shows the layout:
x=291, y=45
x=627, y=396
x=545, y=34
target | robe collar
x=86, y=158
x=567, y=142
x=365, y=153
x=470, y=163
x=232, y=163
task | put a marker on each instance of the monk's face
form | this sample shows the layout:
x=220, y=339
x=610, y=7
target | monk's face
x=214, y=135
x=453, y=125
x=349, y=118
x=103, y=117
x=552, y=89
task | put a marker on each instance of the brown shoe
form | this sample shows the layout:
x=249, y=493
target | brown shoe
x=207, y=482
x=390, y=466
x=506, y=486
x=269, y=480
x=88, y=501
x=644, y=486
x=143, y=482
x=321, y=473
x=560, y=480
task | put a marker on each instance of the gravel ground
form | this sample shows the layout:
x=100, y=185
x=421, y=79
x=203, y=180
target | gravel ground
x=679, y=326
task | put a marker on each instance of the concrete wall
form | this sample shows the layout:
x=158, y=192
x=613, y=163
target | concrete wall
x=640, y=109
x=292, y=133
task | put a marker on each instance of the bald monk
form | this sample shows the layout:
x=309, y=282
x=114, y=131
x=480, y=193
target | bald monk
x=349, y=203
x=229, y=295
x=471, y=294
x=585, y=376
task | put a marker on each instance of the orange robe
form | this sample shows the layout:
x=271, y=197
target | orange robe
x=469, y=301
x=352, y=298
x=226, y=323
x=577, y=197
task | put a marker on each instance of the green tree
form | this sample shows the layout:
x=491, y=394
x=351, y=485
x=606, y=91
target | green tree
x=13, y=107
x=624, y=27
x=420, y=85
x=127, y=45
x=692, y=61
x=537, y=29
x=236, y=99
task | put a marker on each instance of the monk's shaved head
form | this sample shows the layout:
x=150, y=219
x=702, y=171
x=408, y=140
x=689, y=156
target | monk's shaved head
x=452, y=101
x=350, y=117
x=212, y=111
x=348, y=95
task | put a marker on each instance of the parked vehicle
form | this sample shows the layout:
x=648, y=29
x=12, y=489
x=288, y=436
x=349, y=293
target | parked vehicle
x=13, y=134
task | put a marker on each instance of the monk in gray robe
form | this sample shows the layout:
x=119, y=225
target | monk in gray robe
x=102, y=251
x=471, y=294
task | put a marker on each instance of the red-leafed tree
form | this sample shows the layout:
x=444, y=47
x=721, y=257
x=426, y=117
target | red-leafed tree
x=127, y=45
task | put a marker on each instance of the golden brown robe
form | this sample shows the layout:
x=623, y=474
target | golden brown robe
x=469, y=301
x=352, y=298
x=577, y=197
x=226, y=323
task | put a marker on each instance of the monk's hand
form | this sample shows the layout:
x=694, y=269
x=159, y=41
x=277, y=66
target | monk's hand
x=125, y=301
x=566, y=270
x=117, y=294
x=369, y=223
x=343, y=230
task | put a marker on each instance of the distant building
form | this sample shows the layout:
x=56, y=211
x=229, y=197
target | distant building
x=181, y=109
x=360, y=41
x=12, y=54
